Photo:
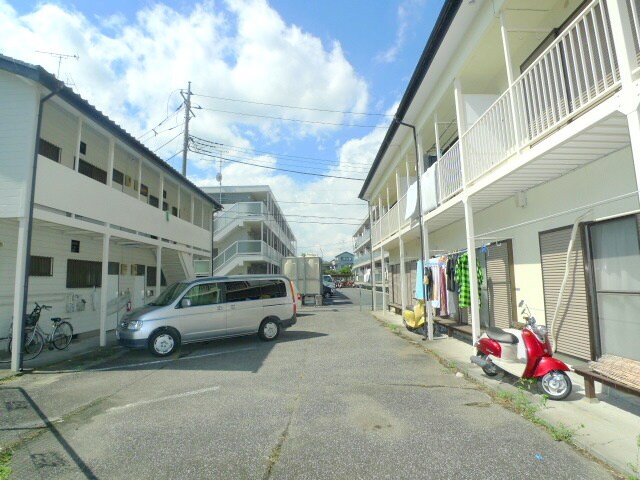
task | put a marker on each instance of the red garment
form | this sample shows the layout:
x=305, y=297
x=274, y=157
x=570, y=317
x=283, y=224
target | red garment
x=443, y=293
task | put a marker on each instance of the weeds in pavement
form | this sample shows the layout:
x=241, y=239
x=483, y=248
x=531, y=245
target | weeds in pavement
x=5, y=461
x=636, y=468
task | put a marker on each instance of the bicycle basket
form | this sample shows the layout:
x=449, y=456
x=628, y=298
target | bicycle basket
x=31, y=320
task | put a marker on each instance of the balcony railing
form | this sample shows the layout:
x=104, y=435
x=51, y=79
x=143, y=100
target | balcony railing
x=237, y=213
x=362, y=239
x=575, y=72
x=256, y=248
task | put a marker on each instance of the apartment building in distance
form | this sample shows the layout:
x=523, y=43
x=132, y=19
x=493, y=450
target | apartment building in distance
x=251, y=234
x=527, y=150
x=112, y=222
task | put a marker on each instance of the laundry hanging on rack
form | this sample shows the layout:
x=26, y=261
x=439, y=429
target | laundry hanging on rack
x=463, y=281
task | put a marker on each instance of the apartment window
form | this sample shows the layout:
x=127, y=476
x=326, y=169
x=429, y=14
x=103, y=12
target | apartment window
x=165, y=206
x=151, y=277
x=114, y=268
x=153, y=201
x=144, y=190
x=174, y=211
x=118, y=177
x=84, y=274
x=49, y=150
x=83, y=148
x=92, y=171
x=41, y=266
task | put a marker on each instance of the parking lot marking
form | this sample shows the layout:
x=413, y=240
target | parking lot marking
x=189, y=357
x=163, y=399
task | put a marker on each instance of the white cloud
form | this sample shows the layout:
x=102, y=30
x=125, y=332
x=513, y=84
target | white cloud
x=406, y=15
x=131, y=69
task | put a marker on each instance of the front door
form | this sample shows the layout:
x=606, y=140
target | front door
x=206, y=317
x=615, y=252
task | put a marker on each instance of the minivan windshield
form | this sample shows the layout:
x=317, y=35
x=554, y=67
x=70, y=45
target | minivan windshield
x=170, y=294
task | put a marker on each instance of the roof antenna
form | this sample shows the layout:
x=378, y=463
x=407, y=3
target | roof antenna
x=60, y=57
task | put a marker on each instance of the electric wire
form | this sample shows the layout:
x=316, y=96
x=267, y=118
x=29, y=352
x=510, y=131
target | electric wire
x=201, y=151
x=161, y=122
x=298, y=120
x=251, y=150
x=167, y=143
x=293, y=106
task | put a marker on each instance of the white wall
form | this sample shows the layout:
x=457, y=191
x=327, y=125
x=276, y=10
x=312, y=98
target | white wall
x=18, y=122
x=61, y=129
x=599, y=181
x=52, y=290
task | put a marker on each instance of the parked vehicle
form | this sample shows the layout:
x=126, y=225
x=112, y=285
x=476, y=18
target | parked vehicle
x=525, y=353
x=208, y=308
x=306, y=274
x=327, y=281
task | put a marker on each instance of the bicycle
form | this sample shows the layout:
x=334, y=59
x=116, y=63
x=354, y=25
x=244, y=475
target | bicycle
x=35, y=338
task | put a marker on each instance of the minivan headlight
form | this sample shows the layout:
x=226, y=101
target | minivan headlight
x=134, y=325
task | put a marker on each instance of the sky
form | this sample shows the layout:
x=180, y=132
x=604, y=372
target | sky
x=292, y=94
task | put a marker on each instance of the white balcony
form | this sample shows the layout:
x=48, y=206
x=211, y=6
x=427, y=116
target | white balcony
x=576, y=73
x=65, y=190
x=244, y=251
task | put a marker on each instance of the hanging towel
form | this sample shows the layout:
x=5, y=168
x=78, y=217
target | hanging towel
x=444, y=311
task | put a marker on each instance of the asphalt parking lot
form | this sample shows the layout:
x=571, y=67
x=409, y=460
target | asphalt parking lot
x=336, y=396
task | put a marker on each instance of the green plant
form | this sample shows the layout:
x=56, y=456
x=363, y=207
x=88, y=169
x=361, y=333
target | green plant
x=543, y=400
x=526, y=383
x=5, y=461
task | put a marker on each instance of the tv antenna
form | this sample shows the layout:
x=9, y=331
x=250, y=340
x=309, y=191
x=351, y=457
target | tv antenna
x=60, y=57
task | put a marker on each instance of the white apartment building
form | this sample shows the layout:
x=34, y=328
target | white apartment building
x=527, y=122
x=251, y=234
x=112, y=222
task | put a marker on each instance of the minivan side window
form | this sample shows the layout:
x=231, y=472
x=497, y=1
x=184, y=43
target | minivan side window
x=273, y=289
x=204, y=294
x=241, y=291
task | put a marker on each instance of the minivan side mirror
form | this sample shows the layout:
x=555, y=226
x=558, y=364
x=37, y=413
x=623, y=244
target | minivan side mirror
x=185, y=302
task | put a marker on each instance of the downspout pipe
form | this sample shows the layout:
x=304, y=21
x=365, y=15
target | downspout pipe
x=371, y=255
x=427, y=309
x=16, y=363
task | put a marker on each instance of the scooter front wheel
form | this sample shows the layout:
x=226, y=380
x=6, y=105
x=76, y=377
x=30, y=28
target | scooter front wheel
x=556, y=384
x=491, y=370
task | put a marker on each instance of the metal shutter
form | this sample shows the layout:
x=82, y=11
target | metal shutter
x=501, y=306
x=572, y=323
x=394, y=270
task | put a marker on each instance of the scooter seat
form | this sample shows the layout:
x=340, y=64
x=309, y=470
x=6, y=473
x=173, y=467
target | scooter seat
x=501, y=336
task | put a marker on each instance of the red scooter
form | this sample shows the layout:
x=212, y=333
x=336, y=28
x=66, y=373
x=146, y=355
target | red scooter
x=525, y=353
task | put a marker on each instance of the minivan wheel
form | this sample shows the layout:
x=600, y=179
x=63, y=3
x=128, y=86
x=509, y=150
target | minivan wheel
x=269, y=330
x=163, y=343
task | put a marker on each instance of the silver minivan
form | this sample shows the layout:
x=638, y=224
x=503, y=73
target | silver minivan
x=208, y=308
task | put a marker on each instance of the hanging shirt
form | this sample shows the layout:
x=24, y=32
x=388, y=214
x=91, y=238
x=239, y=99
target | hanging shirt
x=462, y=278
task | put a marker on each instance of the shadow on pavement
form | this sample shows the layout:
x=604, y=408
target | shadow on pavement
x=19, y=406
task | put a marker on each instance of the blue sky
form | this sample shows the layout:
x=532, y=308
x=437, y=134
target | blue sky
x=248, y=61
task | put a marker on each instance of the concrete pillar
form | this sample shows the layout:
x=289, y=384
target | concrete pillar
x=403, y=274
x=104, y=290
x=110, y=162
x=425, y=239
x=18, y=293
x=462, y=128
x=78, y=142
x=158, y=269
x=383, y=282
x=510, y=75
x=139, y=176
x=161, y=191
x=473, y=275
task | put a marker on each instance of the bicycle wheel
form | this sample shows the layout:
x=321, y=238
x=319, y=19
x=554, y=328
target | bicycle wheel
x=61, y=336
x=33, y=344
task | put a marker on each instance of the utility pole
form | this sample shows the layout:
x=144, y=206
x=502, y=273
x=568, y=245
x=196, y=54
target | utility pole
x=187, y=113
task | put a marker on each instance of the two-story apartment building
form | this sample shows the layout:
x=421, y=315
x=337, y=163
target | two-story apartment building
x=527, y=149
x=342, y=260
x=111, y=221
x=251, y=235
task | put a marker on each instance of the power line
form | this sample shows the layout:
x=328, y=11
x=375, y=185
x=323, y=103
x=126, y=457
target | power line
x=315, y=122
x=237, y=215
x=167, y=143
x=293, y=106
x=201, y=151
x=252, y=150
x=327, y=203
x=161, y=122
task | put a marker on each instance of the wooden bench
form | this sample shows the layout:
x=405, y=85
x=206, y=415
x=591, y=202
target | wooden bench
x=396, y=308
x=590, y=377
